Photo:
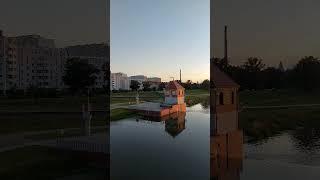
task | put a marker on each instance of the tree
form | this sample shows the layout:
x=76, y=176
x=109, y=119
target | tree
x=252, y=72
x=188, y=84
x=134, y=85
x=307, y=73
x=79, y=75
x=162, y=85
x=146, y=86
x=205, y=84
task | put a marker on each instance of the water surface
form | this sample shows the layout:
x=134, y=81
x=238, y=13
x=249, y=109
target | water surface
x=177, y=148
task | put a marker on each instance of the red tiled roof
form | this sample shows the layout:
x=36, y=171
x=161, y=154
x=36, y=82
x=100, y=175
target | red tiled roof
x=174, y=85
x=221, y=79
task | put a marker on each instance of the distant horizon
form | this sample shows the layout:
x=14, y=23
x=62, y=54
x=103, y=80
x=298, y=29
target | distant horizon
x=162, y=79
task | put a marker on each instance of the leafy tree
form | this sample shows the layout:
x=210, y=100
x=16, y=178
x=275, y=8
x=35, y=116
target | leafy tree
x=134, y=85
x=162, y=85
x=79, y=75
x=307, y=73
x=205, y=84
x=146, y=86
x=252, y=69
x=188, y=84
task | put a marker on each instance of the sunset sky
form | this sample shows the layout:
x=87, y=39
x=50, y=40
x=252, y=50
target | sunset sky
x=274, y=30
x=69, y=22
x=157, y=38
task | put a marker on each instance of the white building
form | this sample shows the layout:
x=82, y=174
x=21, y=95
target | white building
x=154, y=79
x=119, y=81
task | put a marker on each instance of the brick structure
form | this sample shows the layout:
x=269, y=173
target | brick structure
x=226, y=138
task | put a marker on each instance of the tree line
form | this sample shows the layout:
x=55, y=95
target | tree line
x=253, y=74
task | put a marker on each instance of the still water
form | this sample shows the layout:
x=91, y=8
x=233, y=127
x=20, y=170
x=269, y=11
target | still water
x=283, y=156
x=176, y=148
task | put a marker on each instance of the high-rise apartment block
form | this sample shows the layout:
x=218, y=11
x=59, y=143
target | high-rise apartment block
x=32, y=60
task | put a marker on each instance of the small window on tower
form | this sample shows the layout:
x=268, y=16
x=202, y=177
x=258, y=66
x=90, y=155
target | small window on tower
x=221, y=98
x=232, y=97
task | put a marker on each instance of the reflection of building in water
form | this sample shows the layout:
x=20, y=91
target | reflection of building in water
x=175, y=123
x=226, y=139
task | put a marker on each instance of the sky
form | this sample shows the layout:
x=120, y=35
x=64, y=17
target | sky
x=273, y=30
x=69, y=22
x=157, y=38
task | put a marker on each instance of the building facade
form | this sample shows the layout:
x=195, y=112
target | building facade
x=119, y=81
x=31, y=60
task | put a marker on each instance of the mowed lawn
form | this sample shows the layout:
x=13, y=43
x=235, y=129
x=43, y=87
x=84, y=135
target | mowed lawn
x=278, y=97
x=130, y=97
x=66, y=103
x=26, y=122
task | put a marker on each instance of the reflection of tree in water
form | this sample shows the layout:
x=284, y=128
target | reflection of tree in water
x=205, y=103
x=307, y=138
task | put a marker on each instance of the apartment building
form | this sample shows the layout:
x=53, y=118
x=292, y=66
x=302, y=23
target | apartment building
x=119, y=81
x=32, y=60
x=94, y=54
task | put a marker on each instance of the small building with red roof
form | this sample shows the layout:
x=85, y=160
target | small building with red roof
x=174, y=93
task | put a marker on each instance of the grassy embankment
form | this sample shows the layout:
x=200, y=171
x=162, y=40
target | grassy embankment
x=263, y=123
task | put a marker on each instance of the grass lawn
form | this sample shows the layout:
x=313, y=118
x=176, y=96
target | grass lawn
x=13, y=123
x=68, y=103
x=36, y=162
x=261, y=124
x=278, y=97
x=117, y=114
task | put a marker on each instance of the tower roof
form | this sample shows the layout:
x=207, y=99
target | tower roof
x=173, y=85
x=221, y=79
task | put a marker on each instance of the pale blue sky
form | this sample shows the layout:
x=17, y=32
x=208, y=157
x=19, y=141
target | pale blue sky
x=158, y=37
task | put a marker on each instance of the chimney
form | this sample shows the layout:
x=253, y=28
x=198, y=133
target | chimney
x=226, y=43
x=180, y=75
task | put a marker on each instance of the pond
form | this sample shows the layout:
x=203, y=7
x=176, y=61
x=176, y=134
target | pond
x=274, y=147
x=174, y=148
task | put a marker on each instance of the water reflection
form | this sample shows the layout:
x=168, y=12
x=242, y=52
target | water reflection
x=226, y=152
x=175, y=123
x=166, y=148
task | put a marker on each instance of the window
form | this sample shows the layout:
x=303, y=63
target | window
x=221, y=98
x=173, y=92
x=232, y=97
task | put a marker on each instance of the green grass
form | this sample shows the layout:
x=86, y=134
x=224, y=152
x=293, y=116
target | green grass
x=14, y=123
x=117, y=114
x=278, y=97
x=36, y=162
x=68, y=103
x=261, y=124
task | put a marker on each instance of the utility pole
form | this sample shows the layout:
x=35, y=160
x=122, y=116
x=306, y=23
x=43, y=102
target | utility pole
x=226, y=44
